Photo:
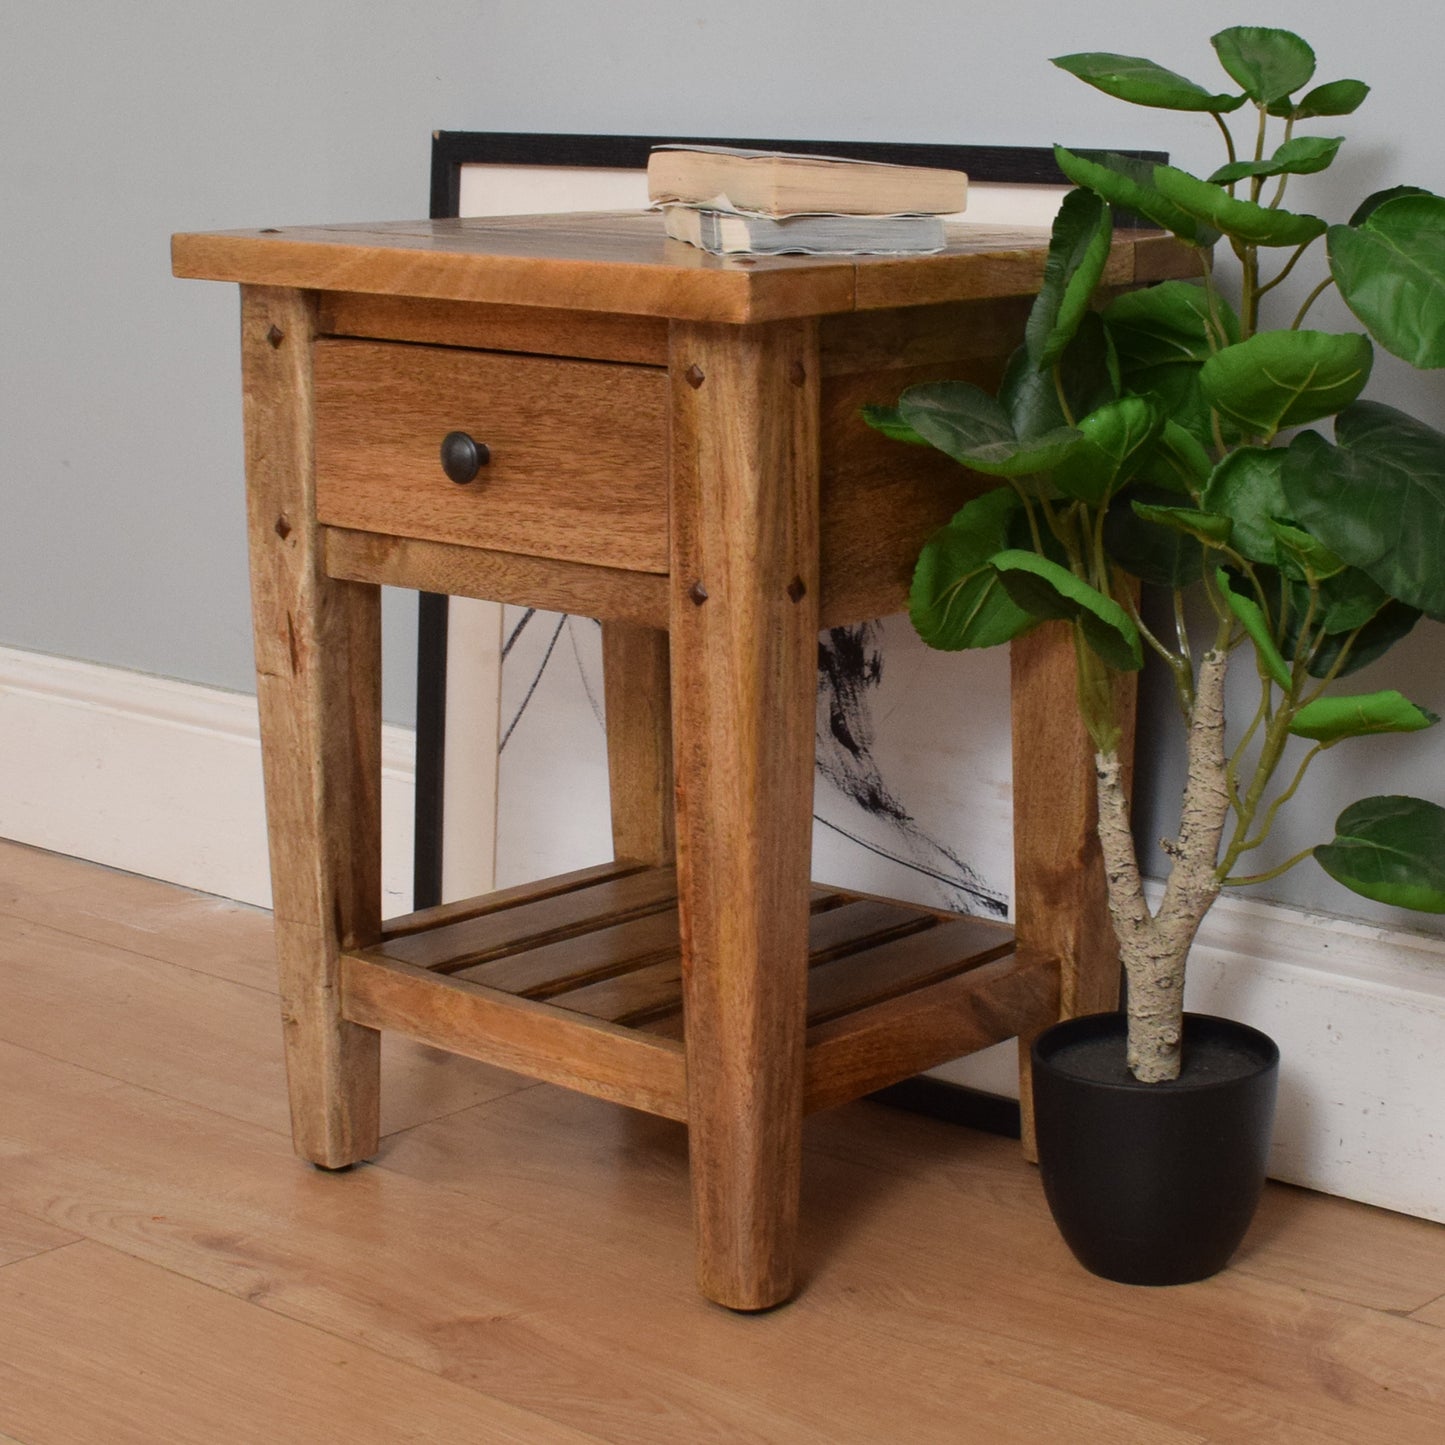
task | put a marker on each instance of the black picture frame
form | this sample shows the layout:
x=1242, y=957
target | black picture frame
x=452, y=150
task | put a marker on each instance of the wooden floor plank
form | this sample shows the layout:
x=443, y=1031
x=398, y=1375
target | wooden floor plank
x=533, y=1252
x=192, y=1035
x=957, y=1251
x=33, y=870
x=554, y=1319
x=97, y=1346
x=1347, y=1251
x=177, y=925
x=22, y=1236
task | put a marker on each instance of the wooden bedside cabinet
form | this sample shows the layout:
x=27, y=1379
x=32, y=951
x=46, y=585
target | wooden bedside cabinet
x=670, y=442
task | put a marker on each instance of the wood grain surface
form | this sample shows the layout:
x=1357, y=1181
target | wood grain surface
x=318, y=678
x=510, y=1270
x=744, y=636
x=622, y=263
x=578, y=451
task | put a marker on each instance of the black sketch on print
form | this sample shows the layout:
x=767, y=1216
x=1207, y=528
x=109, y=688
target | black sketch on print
x=850, y=671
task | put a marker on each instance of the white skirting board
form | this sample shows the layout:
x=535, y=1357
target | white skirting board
x=159, y=777
x=164, y=778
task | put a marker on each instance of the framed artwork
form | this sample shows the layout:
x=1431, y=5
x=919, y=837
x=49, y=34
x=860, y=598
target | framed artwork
x=511, y=770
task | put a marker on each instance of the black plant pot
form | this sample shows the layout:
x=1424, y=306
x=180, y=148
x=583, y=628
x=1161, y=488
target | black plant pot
x=1153, y=1183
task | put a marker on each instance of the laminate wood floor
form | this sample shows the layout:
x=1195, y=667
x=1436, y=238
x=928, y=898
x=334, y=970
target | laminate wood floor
x=516, y=1263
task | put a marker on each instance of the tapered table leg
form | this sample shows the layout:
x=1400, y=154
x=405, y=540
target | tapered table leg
x=318, y=669
x=635, y=670
x=744, y=678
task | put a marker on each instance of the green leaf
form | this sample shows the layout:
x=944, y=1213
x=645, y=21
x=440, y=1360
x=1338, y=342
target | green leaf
x=1302, y=156
x=1303, y=556
x=1167, y=324
x=887, y=420
x=1377, y=499
x=1373, y=202
x=1286, y=378
x=1179, y=463
x=970, y=426
x=1163, y=334
x=1142, y=535
x=1088, y=374
x=1256, y=624
x=1390, y=849
x=1336, y=97
x=1117, y=438
x=1078, y=252
x=1246, y=487
x=1350, y=600
x=1268, y=64
x=1205, y=527
x=1047, y=590
x=1355, y=611
x=1129, y=183
x=1142, y=82
x=1328, y=719
x=1244, y=221
x=957, y=600
x=1391, y=273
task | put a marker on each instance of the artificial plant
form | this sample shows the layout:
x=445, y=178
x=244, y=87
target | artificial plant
x=1151, y=443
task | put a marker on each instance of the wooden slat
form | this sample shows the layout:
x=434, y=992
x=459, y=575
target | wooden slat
x=652, y=993
x=572, y=963
x=858, y=1053
x=516, y=1033
x=500, y=898
x=604, y=592
x=541, y=330
x=902, y=965
x=535, y=921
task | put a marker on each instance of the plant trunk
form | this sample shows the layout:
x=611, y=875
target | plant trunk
x=1154, y=947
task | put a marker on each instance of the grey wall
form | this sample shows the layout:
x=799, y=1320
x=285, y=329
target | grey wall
x=120, y=471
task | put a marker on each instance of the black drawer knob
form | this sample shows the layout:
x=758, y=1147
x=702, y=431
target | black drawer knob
x=463, y=458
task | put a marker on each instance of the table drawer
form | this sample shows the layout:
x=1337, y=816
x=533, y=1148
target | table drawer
x=578, y=451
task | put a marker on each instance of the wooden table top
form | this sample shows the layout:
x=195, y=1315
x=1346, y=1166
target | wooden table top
x=621, y=262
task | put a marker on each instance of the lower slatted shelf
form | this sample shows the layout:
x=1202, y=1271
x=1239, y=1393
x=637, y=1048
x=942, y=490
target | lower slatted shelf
x=578, y=980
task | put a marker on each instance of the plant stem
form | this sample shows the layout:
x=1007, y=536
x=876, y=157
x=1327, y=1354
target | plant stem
x=1272, y=750
x=1267, y=824
x=1273, y=872
x=1288, y=267
x=1153, y=947
x=1228, y=138
x=1310, y=301
x=1180, y=666
x=1249, y=292
x=1064, y=407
